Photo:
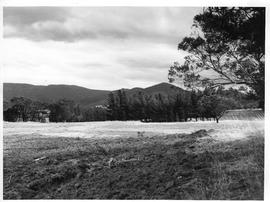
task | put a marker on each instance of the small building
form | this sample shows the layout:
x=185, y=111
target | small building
x=43, y=115
x=243, y=114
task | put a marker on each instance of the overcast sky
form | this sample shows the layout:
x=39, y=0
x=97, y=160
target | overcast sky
x=99, y=48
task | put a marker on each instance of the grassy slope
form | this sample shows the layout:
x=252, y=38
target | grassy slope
x=169, y=167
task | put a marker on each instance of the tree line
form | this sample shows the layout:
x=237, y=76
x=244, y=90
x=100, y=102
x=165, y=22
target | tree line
x=183, y=106
x=25, y=109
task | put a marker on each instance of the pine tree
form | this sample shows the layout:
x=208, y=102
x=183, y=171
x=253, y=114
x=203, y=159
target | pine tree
x=112, y=111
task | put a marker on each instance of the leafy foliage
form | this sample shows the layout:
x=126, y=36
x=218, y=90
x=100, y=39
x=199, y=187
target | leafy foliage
x=209, y=103
x=230, y=50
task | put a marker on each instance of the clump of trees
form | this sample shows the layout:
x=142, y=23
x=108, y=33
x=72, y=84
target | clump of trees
x=22, y=108
x=206, y=104
x=25, y=109
x=97, y=113
x=229, y=46
x=65, y=110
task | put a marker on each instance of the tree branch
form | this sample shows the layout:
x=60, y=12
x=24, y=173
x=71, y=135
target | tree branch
x=229, y=83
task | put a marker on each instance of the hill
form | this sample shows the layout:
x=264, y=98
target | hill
x=51, y=93
x=163, y=88
x=84, y=96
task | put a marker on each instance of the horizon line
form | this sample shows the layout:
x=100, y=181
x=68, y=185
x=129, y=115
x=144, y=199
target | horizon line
x=46, y=85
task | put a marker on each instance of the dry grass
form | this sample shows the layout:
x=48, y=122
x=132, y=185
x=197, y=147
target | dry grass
x=180, y=166
x=238, y=169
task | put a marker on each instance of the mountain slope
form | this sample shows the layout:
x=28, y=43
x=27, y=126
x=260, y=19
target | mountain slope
x=52, y=93
x=84, y=96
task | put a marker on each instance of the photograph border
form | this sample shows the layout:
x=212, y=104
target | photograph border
x=157, y=3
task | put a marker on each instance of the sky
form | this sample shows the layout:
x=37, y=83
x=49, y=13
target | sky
x=104, y=48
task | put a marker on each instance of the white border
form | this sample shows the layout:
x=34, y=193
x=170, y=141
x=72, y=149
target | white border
x=194, y=3
x=267, y=108
x=144, y=3
x=1, y=103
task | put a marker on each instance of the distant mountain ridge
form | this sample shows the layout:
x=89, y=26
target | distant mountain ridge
x=84, y=96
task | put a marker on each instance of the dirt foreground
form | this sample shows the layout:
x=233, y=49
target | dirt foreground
x=180, y=166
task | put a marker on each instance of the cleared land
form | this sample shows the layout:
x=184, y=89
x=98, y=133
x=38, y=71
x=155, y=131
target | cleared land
x=132, y=160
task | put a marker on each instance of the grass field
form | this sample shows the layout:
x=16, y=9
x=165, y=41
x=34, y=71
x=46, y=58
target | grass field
x=132, y=160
